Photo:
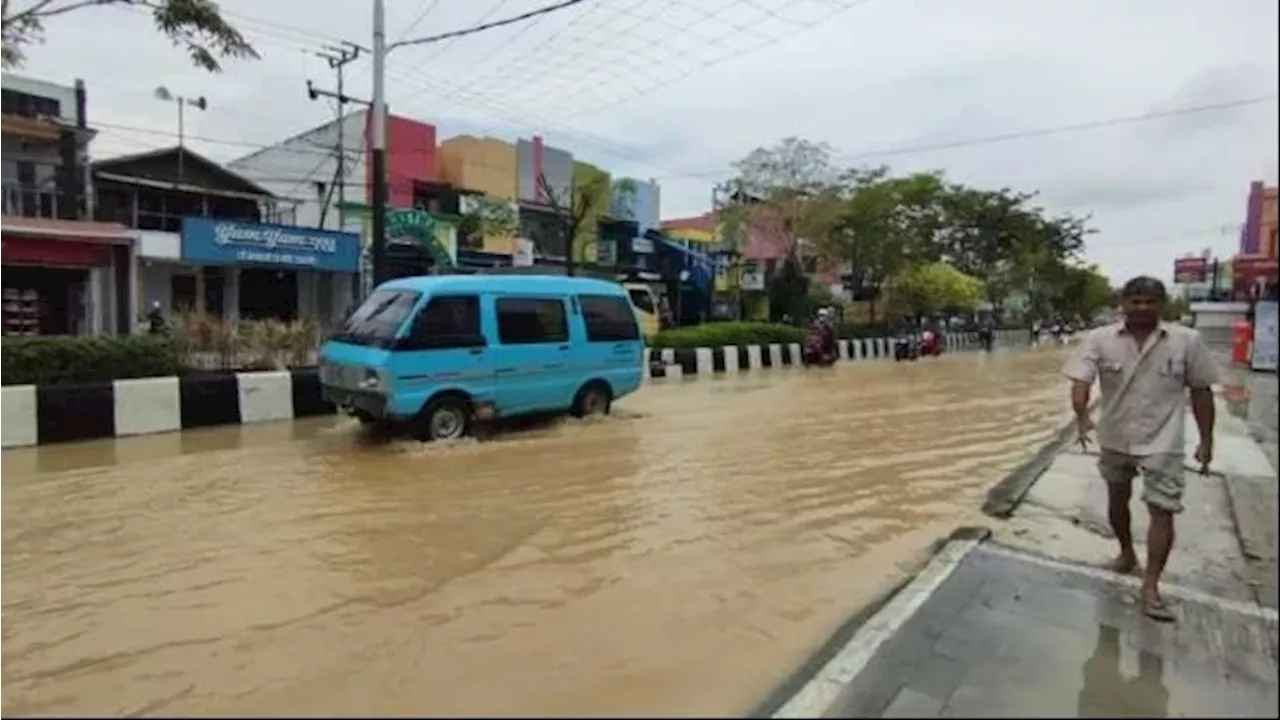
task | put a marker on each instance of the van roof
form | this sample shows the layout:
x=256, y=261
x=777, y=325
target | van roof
x=505, y=283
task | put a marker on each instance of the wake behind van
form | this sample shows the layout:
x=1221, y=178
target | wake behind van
x=440, y=352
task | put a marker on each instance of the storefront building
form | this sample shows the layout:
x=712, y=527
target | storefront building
x=266, y=270
x=65, y=277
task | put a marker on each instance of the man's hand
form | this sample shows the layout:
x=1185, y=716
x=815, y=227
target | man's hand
x=1204, y=455
x=1084, y=428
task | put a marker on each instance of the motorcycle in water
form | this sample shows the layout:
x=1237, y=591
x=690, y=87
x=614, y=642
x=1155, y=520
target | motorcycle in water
x=986, y=336
x=930, y=344
x=818, y=349
x=906, y=347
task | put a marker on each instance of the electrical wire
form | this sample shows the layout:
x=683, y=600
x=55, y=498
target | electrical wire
x=547, y=10
x=891, y=152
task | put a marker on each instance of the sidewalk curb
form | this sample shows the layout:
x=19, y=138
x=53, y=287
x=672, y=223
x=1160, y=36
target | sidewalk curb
x=817, y=683
x=1008, y=494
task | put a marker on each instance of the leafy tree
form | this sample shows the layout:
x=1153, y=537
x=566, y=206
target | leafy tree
x=880, y=224
x=995, y=235
x=197, y=26
x=789, y=291
x=775, y=192
x=577, y=207
x=1083, y=291
x=487, y=217
x=981, y=235
x=932, y=288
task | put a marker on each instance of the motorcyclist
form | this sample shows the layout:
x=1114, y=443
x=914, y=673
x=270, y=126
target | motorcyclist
x=827, y=331
x=987, y=332
x=821, y=347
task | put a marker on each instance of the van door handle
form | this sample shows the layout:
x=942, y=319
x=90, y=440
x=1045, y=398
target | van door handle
x=564, y=347
x=476, y=351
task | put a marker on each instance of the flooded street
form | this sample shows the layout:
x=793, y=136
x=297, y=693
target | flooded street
x=680, y=557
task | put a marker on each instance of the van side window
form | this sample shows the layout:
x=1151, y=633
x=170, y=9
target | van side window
x=449, y=322
x=608, y=318
x=524, y=321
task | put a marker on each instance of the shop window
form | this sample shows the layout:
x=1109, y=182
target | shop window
x=525, y=321
x=449, y=322
x=268, y=294
x=182, y=294
x=608, y=318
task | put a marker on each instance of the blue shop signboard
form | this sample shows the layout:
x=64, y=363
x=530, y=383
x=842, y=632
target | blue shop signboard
x=210, y=241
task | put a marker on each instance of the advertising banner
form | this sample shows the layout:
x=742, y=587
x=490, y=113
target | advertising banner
x=1265, y=317
x=210, y=241
x=1190, y=270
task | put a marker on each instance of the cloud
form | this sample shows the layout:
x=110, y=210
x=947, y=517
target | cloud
x=678, y=89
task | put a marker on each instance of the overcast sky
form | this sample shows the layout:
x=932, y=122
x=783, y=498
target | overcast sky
x=677, y=89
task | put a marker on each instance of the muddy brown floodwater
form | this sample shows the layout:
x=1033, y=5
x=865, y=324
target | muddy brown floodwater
x=678, y=558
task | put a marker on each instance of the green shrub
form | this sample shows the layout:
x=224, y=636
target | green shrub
x=727, y=333
x=86, y=359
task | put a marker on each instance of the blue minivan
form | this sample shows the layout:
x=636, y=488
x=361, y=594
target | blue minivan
x=442, y=351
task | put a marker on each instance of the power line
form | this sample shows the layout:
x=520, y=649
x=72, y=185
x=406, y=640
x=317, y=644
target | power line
x=905, y=150
x=547, y=10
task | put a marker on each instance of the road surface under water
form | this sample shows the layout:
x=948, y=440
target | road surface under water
x=679, y=557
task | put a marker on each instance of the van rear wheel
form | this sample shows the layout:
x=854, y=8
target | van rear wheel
x=446, y=418
x=593, y=399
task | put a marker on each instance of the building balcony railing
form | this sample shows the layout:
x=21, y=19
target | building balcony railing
x=172, y=222
x=39, y=129
x=26, y=201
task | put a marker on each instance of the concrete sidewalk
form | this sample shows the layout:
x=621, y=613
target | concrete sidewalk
x=1026, y=621
x=1009, y=634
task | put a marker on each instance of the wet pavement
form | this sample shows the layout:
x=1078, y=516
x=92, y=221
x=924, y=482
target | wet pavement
x=1011, y=635
x=678, y=558
x=1255, y=497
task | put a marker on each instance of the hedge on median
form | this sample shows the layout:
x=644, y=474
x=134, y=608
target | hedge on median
x=69, y=360
x=727, y=333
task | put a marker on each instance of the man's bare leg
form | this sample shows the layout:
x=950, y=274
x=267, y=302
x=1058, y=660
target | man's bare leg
x=1118, y=494
x=1159, y=544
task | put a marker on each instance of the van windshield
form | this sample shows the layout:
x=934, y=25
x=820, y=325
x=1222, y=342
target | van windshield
x=376, y=321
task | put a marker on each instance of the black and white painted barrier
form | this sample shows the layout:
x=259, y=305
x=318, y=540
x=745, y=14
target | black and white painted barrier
x=669, y=363
x=39, y=415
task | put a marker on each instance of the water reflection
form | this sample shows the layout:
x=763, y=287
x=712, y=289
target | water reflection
x=1106, y=692
x=677, y=558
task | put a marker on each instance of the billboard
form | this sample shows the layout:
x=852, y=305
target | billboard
x=1190, y=270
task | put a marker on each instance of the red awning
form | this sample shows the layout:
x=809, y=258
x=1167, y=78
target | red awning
x=61, y=253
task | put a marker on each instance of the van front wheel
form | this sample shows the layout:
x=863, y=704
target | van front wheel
x=446, y=418
x=593, y=399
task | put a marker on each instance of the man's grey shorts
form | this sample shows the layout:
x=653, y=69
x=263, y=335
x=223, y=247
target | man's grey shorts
x=1163, y=476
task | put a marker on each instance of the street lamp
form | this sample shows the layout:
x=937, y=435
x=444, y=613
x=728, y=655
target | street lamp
x=163, y=94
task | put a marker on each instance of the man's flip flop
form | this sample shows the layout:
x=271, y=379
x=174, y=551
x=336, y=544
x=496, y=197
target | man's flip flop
x=1157, y=610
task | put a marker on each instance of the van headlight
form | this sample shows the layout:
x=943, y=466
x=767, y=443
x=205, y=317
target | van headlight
x=371, y=380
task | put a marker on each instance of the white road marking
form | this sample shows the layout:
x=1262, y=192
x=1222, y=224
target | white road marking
x=817, y=695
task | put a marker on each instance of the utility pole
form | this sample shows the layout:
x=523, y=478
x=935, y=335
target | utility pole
x=379, y=159
x=338, y=57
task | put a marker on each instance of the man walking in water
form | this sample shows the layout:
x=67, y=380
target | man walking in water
x=1144, y=368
